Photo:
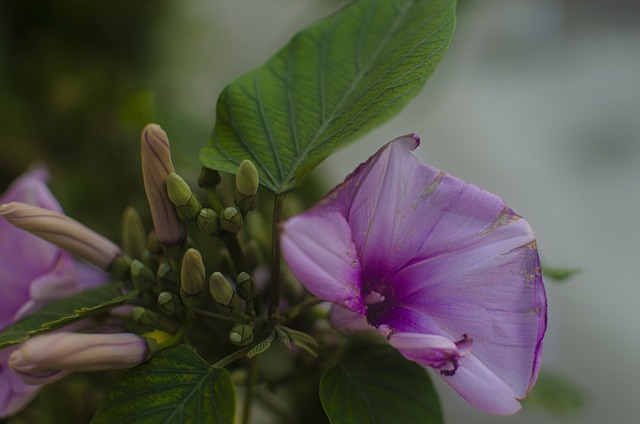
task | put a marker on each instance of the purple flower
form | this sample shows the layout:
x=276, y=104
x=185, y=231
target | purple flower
x=447, y=272
x=51, y=357
x=33, y=272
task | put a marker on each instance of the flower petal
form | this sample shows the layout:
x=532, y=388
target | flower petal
x=319, y=251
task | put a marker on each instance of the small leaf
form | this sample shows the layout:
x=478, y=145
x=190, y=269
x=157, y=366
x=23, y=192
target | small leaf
x=176, y=386
x=331, y=83
x=283, y=336
x=555, y=395
x=375, y=384
x=262, y=346
x=559, y=274
x=64, y=312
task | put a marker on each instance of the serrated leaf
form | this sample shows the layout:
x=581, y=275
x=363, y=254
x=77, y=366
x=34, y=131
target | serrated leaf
x=176, y=386
x=332, y=82
x=64, y=312
x=375, y=384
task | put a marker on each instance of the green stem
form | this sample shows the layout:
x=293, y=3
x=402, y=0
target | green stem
x=296, y=310
x=274, y=295
x=215, y=316
x=251, y=389
x=235, y=251
x=238, y=354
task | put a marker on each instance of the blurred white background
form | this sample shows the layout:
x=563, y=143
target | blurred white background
x=537, y=101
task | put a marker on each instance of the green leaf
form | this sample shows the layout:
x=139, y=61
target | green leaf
x=559, y=274
x=375, y=384
x=332, y=82
x=176, y=386
x=555, y=395
x=64, y=312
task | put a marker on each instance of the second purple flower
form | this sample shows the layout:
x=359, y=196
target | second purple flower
x=447, y=272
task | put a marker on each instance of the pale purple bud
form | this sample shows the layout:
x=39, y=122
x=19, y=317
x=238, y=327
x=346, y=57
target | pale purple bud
x=156, y=166
x=62, y=231
x=50, y=357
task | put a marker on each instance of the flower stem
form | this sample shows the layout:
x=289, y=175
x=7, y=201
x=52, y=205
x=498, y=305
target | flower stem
x=251, y=389
x=235, y=251
x=232, y=357
x=274, y=294
x=297, y=309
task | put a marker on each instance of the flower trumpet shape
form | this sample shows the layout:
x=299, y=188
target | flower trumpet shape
x=50, y=357
x=62, y=231
x=33, y=272
x=445, y=271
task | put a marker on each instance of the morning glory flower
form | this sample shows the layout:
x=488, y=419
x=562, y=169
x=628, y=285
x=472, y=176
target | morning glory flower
x=33, y=272
x=445, y=271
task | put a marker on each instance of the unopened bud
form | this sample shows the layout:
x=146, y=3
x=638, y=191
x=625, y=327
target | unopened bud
x=142, y=277
x=144, y=317
x=169, y=303
x=156, y=166
x=208, y=221
x=49, y=357
x=192, y=278
x=182, y=197
x=208, y=178
x=62, y=231
x=134, y=238
x=167, y=277
x=245, y=286
x=231, y=220
x=247, y=182
x=241, y=334
x=220, y=288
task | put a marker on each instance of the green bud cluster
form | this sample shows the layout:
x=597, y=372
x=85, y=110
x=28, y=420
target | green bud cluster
x=134, y=238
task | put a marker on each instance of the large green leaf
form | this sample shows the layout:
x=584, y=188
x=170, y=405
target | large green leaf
x=64, y=312
x=375, y=384
x=176, y=386
x=329, y=84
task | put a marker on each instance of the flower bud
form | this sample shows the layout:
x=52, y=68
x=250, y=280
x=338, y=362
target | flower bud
x=192, y=278
x=241, y=334
x=245, y=286
x=169, y=303
x=231, y=220
x=142, y=277
x=134, y=238
x=247, y=182
x=144, y=318
x=156, y=166
x=49, y=357
x=182, y=197
x=208, y=178
x=208, y=222
x=167, y=277
x=62, y=231
x=220, y=289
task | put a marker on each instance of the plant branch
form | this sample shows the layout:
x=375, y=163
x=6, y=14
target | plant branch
x=274, y=294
